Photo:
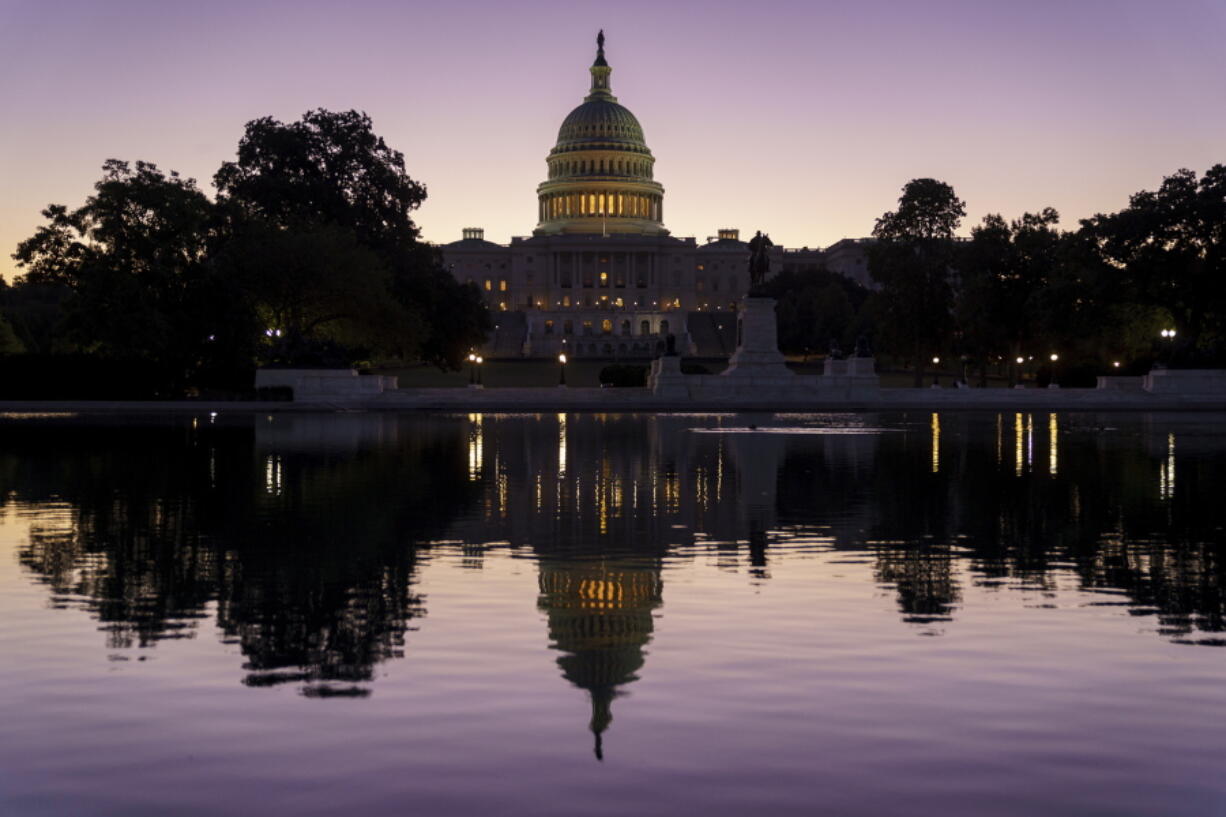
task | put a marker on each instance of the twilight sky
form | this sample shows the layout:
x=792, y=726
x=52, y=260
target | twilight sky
x=803, y=119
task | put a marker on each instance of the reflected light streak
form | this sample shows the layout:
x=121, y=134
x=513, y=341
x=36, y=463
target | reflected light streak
x=1030, y=441
x=1000, y=437
x=1166, y=471
x=272, y=475
x=475, y=441
x=561, y=445
x=936, y=442
x=1053, y=437
x=1018, y=444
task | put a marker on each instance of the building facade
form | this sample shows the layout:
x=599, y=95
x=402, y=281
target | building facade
x=601, y=276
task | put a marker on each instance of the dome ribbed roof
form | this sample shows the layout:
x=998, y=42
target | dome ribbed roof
x=599, y=120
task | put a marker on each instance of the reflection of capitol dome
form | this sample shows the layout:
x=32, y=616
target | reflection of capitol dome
x=600, y=618
x=600, y=170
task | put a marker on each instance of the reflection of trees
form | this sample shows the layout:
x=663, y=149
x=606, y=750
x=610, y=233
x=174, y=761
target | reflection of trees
x=310, y=557
x=1000, y=507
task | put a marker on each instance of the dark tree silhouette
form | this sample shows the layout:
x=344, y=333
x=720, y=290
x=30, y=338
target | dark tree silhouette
x=135, y=260
x=1171, y=245
x=912, y=260
x=329, y=170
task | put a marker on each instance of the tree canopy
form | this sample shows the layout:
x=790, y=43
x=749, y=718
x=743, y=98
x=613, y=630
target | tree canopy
x=912, y=261
x=1170, y=246
x=308, y=255
x=135, y=260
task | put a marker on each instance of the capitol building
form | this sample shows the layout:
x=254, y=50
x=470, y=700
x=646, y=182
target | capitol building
x=600, y=276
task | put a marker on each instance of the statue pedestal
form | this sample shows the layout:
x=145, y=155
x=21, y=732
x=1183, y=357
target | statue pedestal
x=757, y=351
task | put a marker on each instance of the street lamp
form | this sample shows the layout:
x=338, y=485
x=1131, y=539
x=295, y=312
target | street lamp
x=1167, y=335
x=1053, y=384
x=472, y=369
x=479, y=361
x=562, y=370
x=936, y=377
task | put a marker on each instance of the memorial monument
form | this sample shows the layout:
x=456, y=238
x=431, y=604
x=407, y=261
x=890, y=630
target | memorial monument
x=757, y=352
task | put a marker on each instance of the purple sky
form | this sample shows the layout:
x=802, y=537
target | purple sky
x=803, y=119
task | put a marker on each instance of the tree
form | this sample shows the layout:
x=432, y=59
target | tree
x=1170, y=246
x=330, y=171
x=10, y=344
x=134, y=260
x=912, y=260
x=319, y=295
x=814, y=307
x=1001, y=272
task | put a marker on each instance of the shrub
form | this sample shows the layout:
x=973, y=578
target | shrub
x=624, y=376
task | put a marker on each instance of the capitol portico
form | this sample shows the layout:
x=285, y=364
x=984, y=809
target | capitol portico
x=601, y=276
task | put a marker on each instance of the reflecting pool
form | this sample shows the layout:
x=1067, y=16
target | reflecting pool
x=587, y=614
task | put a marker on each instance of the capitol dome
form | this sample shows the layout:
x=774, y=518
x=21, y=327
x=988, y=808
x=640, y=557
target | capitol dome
x=601, y=120
x=600, y=170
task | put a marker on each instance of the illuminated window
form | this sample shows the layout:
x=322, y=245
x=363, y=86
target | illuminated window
x=502, y=284
x=604, y=279
x=566, y=301
x=606, y=326
x=489, y=285
x=619, y=303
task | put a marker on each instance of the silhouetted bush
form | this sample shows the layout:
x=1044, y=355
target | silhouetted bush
x=624, y=375
x=78, y=377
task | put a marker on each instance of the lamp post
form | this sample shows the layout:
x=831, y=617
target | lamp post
x=472, y=369
x=1168, y=335
x=1021, y=375
x=479, y=361
x=936, y=375
x=562, y=370
x=1053, y=384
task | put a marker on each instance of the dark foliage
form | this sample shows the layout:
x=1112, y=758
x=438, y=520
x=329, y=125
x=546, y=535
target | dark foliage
x=624, y=375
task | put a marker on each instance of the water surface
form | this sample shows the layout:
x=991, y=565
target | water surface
x=584, y=614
